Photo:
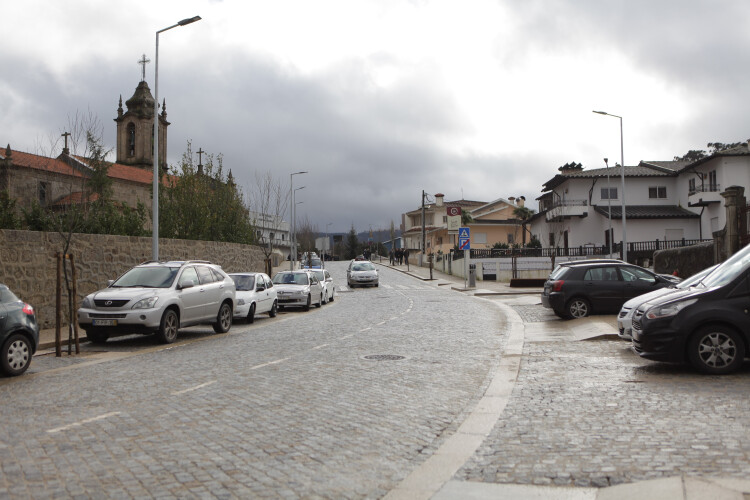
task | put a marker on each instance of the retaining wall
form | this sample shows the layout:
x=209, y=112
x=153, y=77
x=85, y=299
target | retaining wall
x=28, y=263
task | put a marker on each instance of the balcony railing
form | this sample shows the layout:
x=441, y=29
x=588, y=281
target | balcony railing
x=569, y=203
x=706, y=188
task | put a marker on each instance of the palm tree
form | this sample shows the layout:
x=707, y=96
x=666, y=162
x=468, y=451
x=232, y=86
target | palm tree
x=523, y=214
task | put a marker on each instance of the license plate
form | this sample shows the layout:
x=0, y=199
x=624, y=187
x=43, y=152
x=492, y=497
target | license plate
x=104, y=322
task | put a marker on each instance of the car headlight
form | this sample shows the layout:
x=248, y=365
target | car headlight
x=668, y=310
x=148, y=303
x=86, y=304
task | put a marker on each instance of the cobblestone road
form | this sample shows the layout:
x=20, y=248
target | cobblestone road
x=283, y=408
x=592, y=413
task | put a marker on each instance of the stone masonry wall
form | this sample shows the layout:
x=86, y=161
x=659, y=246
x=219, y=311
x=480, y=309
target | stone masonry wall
x=687, y=260
x=29, y=267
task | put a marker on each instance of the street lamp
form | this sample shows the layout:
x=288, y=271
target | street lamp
x=294, y=214
x=291, y=215
x=609, y=209
x=326, y=249
x=155, y=194
x=622, y=176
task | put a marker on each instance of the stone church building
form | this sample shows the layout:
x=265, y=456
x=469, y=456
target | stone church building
x=60, y=181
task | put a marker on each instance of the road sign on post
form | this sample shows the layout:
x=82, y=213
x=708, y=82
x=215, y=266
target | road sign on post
x=464, y=238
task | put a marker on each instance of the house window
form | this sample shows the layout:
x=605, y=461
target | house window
x=480, y=238
x=445, y=219
x=691, y=186
x=270, y=236
x=712, y=185
x=43, y=190
x=609, y=193
x=657, y=192
x=551, y=239
x=511, y=240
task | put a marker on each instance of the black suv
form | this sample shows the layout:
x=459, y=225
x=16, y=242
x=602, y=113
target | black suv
x=577, y=289
x=707, y=324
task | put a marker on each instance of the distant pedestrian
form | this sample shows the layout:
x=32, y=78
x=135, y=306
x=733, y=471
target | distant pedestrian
x=399, y=254
x=406, y=255
x=392, y=257
x=676, y=273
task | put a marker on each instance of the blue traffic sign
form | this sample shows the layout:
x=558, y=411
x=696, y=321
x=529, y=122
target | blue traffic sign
x=464, y=238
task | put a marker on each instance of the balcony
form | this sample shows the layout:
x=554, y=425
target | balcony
x=701, y=196
x=565, y=209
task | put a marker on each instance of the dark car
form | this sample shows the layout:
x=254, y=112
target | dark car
x=706, y=325
x=577, y=289
x=19, y=333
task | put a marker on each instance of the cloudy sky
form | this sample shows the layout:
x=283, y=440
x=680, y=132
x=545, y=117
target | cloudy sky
x=381, y=99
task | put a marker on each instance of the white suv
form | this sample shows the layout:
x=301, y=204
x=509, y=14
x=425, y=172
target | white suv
x=160, y=297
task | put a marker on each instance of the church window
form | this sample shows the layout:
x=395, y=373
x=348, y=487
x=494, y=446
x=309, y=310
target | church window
x=131, y=139
x=43, y=189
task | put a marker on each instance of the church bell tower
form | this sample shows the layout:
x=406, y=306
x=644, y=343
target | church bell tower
x=135, y=127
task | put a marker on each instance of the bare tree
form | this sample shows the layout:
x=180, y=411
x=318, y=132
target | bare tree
x=79, y=128
x=269, y=202
x=306, y=232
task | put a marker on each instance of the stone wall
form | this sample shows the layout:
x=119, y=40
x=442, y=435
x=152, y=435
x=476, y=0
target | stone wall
x=29, y=267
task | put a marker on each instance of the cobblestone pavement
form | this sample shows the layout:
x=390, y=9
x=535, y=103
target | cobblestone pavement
x=285, y=408
x=592, y=413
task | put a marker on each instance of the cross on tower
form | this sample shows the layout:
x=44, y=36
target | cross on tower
x=200, y=160
x=65, y=149
x=143, y=62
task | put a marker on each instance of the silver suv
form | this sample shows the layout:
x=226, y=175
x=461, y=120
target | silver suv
x=160, y=297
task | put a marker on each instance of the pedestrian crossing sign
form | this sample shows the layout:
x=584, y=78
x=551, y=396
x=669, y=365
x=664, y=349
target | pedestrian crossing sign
x=463, y=232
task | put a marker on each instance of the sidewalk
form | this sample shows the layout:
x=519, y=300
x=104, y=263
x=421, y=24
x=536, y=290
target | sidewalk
x=434, y=479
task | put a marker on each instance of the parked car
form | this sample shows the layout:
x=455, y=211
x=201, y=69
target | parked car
x=19, y=333
x=298, y=289
x=362, y=273
x=312, y=263
x=255, y=295
x=329, y=288
x=625, y=318
x=160, y=297
x=706, y=325
x=576, y=290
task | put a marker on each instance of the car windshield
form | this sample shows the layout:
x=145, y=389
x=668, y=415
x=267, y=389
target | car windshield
x=243, y=283
x=291, y=279
x=148, y=277
x=7, y=296
x=696, y=278
x=729, y=270
x=363, y=266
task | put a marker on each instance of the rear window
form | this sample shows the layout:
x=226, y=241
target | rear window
x=7, y=296
x=558, y=272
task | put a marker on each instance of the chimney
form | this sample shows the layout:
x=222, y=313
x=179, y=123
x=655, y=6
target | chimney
x=439, y=199
x=520, y=201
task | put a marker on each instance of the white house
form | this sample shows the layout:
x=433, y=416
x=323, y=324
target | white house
x=664, y=200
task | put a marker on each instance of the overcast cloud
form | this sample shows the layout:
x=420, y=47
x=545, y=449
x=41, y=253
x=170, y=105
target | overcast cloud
x=380, y=99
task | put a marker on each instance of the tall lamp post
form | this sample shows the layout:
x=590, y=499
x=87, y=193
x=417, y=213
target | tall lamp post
x=155, y=194
x=622, y=176
x=292, y=257
x=294, y=198
x=327, y=242
x=609, y=209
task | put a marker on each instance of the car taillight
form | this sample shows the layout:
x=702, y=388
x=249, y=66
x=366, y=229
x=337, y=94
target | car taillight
x=557, y=285
x=27, y=309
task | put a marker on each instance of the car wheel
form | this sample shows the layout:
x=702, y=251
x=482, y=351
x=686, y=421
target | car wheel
x=274, y=309
x=251, y=314
x=309, y=302
x=578, y=308
x=96, y=336
x=716, y=349
x=332, y=295
x=325, y=298
x=224, y=318
x=320, y=302
x=168, y=327
x=16, y=355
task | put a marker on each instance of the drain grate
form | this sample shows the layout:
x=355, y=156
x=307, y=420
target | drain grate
x=384, y=357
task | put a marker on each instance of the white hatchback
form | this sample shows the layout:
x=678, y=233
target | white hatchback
x=255, y=295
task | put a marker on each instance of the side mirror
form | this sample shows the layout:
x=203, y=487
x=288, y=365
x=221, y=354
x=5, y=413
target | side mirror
x=260, y=288
x=185, y=284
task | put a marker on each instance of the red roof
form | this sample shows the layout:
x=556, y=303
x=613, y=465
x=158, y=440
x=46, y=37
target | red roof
x=59, y=166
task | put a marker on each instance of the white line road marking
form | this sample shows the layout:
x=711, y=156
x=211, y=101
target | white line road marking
x=320, y=346
x=365, y=329
x=269, y=363
x=199, y=386
x=83, y=422
x=381, y=323
x=347, y=336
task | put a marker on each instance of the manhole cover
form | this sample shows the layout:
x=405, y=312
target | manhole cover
x=384, y=357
